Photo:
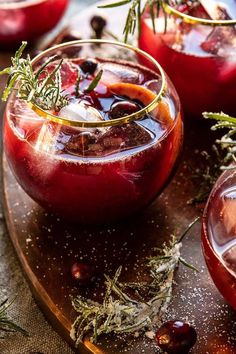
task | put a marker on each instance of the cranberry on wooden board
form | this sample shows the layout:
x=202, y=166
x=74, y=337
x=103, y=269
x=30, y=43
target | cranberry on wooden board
x=176, y=337
x=82, y=272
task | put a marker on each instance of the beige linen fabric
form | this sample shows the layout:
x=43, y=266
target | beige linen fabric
x=43, y=339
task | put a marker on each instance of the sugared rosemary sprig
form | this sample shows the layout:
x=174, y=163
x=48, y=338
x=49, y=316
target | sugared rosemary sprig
x=42, y=87
x=135, y=12
x=137, y=9
x=6, y=324
x=228, y=140
x=121, y=313
x=206, y=174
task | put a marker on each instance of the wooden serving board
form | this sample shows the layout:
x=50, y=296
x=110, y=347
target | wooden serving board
x=48, y=246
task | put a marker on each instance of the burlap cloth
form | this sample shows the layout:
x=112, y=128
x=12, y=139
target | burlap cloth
x=43, y=339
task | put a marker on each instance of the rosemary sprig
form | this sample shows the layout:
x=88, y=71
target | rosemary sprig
x=218, y=160
x=6, y=324
x=91, y=87
x=122, y=313
x=94, y=82
x=135, y=12
x=228, y=140
x=77, y=85
x=41, y=87
x=206, y=174
x=137, y=9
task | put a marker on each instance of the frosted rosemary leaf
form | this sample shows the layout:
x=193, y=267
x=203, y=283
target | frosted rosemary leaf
x=119, y=312
x=41, y=87
x=228, y=140
x=6, y=324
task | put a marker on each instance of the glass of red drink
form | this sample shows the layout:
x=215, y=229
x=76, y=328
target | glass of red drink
x=28, y=19
x=109, y=152
x=198, y=54
x=219, y=235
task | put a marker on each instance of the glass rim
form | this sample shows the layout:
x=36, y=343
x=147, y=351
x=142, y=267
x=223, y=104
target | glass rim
x=196, y=20
x=112, y=122
x=205, y=215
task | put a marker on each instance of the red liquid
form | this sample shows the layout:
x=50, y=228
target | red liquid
x=219, y=236
x=28, y=19
x=90, y=174
x=200, y=61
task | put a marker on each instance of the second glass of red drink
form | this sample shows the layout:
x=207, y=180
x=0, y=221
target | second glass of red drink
x=28, y=19
x=197, y=52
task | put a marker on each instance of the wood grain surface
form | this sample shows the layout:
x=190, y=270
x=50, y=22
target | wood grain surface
x=47, y=247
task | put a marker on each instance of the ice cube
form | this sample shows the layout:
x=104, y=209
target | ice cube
x=68, y=70
x=24, y=119
x=220, y=37
x=154, y=85
x=220, y=10
x=80, y=112
x=221, y=41
x=114, y=73
x=229, y=210
x=230, y=258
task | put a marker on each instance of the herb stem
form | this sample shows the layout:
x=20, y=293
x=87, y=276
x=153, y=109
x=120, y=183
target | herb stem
x=187, y=229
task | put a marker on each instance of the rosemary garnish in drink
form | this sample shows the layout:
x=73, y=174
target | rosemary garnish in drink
x=94, y=82
x=120, y=312
x=91, y=87
x=139, y=7
x=227, y=142
x=133, y=19
x=6, y=324
x=41, y=86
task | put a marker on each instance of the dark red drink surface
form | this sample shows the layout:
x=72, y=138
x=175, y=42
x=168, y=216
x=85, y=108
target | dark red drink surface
x=28, y=19
x=199, y=59
x=96, y=174
x=219, y=235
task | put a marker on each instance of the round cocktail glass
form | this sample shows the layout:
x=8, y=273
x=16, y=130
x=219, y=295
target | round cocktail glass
x=93, y=170
x=28, y=19
x=219, y=235
x=198, y=54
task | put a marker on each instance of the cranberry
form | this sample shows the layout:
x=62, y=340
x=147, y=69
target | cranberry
x=123, y=108
x=89, y=66
x=98, y=23
x=82, y=272
x=176, y=337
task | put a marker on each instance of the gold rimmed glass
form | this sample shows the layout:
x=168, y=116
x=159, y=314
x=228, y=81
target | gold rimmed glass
x=97, y=171
x=197, y=53
x=196, y=20
x=93, y=46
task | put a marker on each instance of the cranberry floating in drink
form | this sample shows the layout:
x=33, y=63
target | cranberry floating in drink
x=198, y=52
x=219, y=235
x=28, y=19
x=110, y=143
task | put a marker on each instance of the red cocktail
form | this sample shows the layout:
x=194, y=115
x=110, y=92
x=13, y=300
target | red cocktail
x=118, y=145
x=219, y=235
x=28, y=19
x=197, y=53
